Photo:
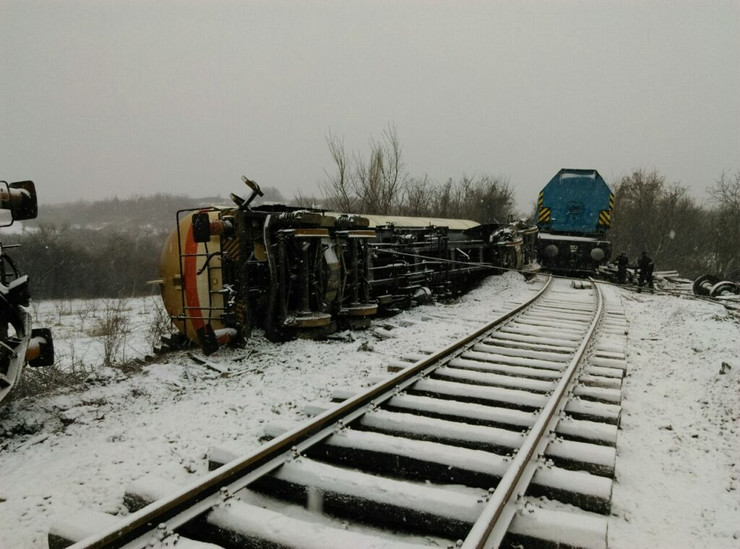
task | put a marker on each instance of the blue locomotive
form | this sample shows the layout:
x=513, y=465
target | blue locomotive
x=574, y=213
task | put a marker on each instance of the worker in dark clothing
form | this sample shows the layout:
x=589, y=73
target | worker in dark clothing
x=645, y=266
x=622, y=262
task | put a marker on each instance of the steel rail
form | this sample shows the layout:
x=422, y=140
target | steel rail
x=492, y=525
x=135, y=531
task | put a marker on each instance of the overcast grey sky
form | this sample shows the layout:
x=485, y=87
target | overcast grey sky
x=103, y=98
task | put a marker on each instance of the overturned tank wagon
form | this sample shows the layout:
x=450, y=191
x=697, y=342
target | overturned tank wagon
x=574, y=214
x=297, y=272
x=20, y=344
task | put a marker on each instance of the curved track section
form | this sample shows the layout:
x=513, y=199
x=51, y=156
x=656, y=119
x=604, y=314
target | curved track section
x=505, y=438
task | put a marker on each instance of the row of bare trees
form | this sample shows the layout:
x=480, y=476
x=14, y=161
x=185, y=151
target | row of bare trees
x=380, y=184
x=69, y=262
x=118, y=253
x=674, y=228
x=650, y=214
x=725, y=224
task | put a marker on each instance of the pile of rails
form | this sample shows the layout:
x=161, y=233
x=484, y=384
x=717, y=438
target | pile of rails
x=710, y=287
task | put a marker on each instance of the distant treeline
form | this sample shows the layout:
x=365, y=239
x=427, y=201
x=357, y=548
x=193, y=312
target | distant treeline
x=674, y=229
x=107, y=248
x=111, y=248
x=380, y=184
x=66, y=262
x=155, y=211
x=650, y=214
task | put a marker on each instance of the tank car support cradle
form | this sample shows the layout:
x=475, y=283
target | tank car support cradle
x=356, y=314
x=282, y=323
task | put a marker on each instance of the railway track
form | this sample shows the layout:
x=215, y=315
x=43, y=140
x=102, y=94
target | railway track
x=505, y=438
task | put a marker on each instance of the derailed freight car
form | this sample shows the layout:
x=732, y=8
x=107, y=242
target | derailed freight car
x=574, y=213
x=304, y=272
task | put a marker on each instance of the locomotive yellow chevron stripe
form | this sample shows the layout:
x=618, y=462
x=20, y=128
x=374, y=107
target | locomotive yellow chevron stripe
x=540, y=199
x=543, y=215
x=605, y=218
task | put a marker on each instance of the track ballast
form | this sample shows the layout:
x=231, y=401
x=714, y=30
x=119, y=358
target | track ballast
x=506, y=437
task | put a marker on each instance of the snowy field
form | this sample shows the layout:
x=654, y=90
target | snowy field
x=678, y=450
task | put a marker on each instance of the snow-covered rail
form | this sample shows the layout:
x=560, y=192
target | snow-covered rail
x=506, y=437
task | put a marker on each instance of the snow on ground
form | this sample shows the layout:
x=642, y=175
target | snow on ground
x=677, y=468
x=678, y=455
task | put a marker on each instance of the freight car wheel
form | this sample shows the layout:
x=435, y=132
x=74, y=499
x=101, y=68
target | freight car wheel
x=703, y=284
x=724, y=288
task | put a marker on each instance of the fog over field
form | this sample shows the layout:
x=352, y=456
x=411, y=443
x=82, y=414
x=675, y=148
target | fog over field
x=134, y=97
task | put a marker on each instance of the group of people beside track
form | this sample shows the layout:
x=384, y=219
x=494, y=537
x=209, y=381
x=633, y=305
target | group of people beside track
x=644, y=266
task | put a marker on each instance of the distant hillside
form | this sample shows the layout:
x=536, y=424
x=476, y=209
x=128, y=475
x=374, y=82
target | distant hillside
x=157, y=211
x=108, y=248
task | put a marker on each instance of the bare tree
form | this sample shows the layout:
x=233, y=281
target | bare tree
x=379, y=185
x=419, y=196
x=358, y=185
x=486, y=200
x=445, y=202
x=337, y=188
x=635, y=224
x=379, y=182
x=113, y=330
x=725, y=225
x=307, y=201
x=726, y=192
x=663, y=220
